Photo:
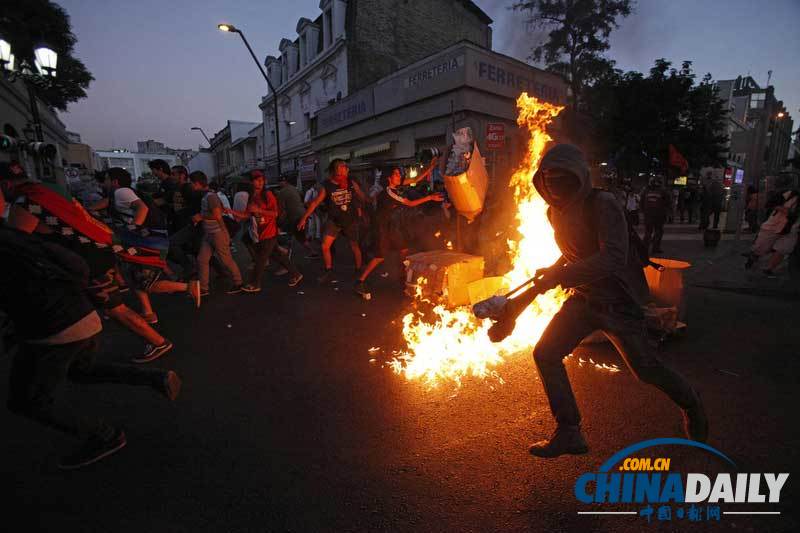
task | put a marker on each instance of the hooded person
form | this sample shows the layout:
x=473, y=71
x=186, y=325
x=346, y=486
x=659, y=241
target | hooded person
x=606, y=275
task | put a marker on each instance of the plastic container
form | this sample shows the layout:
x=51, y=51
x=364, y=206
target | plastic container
x=447, y=275
x=467, y=191
x=666, y=286
x=485, y=288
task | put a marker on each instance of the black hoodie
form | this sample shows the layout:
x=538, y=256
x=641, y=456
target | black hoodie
x=593, y=236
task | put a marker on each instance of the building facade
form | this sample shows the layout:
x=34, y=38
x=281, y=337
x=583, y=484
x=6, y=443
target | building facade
x=762, y=145
x=133, y=162
x=226, y=146
x=203, y=161
x=348, y=46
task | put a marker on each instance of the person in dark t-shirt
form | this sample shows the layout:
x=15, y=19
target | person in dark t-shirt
x=387, y=235
x=338, y=192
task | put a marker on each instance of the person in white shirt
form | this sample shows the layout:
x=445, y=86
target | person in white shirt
x=131, y=210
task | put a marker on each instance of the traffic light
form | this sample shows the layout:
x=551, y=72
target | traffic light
x=41, y=149
x=8, y=143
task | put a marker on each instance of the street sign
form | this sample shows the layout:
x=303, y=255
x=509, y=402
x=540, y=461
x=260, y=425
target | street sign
x=495, y=136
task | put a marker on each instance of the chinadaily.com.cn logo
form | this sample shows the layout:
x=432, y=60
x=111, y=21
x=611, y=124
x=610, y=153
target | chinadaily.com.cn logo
x=666, y=495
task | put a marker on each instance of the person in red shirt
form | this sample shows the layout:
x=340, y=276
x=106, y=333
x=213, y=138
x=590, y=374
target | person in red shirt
x=262, y=236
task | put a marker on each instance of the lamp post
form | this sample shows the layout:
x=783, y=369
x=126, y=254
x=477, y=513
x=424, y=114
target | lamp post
x=204, y=134
x=233, y=29
x=45, y=61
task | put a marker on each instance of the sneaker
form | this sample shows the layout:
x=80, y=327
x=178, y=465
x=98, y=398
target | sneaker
x=281, y=271
x=251, y=288
x=93, y=450
x=326, y=277
x=695, y=422
x=170, y=385
x=150, y=318
x=151, y=352
x=295, y=279
x=236, y=289
x=360, y=288
x=195, y=292
x=565, y=440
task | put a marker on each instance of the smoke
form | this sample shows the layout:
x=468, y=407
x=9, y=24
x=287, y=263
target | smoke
x=512, y=35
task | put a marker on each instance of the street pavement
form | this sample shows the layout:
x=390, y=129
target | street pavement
x=285, y=425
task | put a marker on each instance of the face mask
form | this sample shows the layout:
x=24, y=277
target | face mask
x=560, y=185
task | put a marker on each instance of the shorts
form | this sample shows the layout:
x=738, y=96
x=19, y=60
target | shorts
x=104, y=291
x=333, y=229
x=767, y=241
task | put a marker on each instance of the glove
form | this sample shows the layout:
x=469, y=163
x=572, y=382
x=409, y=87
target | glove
x=494, y=308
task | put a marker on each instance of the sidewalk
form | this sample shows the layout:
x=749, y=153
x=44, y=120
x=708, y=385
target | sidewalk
x=722, y=267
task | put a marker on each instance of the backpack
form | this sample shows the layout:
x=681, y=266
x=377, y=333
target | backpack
x=635, y=242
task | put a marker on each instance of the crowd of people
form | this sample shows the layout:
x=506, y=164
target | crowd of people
x=73, y=258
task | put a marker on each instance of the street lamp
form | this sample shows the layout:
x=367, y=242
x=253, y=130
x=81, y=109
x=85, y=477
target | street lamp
x=204, y=133
x=45, y=60
x=291, y=122
x=230, y=28
x=781, y=114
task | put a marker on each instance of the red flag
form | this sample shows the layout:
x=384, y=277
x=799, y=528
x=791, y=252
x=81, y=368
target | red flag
x=677, y=160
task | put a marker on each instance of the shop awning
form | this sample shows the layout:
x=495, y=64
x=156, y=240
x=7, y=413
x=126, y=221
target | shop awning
x=374, y=149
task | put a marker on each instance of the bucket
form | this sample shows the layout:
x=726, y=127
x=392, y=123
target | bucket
x=666, y=286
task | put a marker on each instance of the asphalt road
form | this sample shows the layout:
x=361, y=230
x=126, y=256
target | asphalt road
x=285, y=425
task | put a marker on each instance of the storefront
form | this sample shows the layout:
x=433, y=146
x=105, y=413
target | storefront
x=392, y=122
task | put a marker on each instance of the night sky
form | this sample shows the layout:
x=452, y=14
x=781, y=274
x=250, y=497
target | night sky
x=161, y=71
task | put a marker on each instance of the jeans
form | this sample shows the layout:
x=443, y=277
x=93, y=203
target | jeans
x=178, y=242
x=262, y=251
x=218, y=245
x=38, y=370
x=653, y=232
x=625, y=328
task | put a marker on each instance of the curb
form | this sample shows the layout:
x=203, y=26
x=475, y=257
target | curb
x=779, y=293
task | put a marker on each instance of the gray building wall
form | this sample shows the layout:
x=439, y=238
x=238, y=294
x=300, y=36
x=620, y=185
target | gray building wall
x=386, y=35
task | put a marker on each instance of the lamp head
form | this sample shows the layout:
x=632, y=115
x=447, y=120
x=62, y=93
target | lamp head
x=228, y=28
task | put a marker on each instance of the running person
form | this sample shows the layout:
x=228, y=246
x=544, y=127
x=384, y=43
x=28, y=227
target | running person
x=338, y=192
x=263, y=206
x=386, y=235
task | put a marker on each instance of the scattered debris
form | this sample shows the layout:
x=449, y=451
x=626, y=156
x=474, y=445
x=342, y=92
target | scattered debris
x=385, y=275
x=300, y=293
x=734, y=374
x=374, y=349
x=363, y=314
x=372, y=361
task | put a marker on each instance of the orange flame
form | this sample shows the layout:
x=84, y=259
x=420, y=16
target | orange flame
x=457, y=344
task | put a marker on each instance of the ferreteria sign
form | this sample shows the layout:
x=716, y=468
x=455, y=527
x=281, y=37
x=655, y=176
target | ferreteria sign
x=352, y=109
x=458, y=67
x=419, y=77
x=499, y=74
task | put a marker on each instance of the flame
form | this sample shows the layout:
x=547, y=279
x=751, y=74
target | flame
x=456, y=344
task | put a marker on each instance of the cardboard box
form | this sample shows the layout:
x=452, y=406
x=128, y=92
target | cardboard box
x=447, y=275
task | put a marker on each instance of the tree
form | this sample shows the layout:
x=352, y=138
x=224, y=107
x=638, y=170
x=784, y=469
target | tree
x=638, y=117
x=578, y=36
x=27, y=24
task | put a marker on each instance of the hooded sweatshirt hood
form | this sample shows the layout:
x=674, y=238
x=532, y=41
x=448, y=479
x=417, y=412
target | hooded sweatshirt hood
x=566, y=157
